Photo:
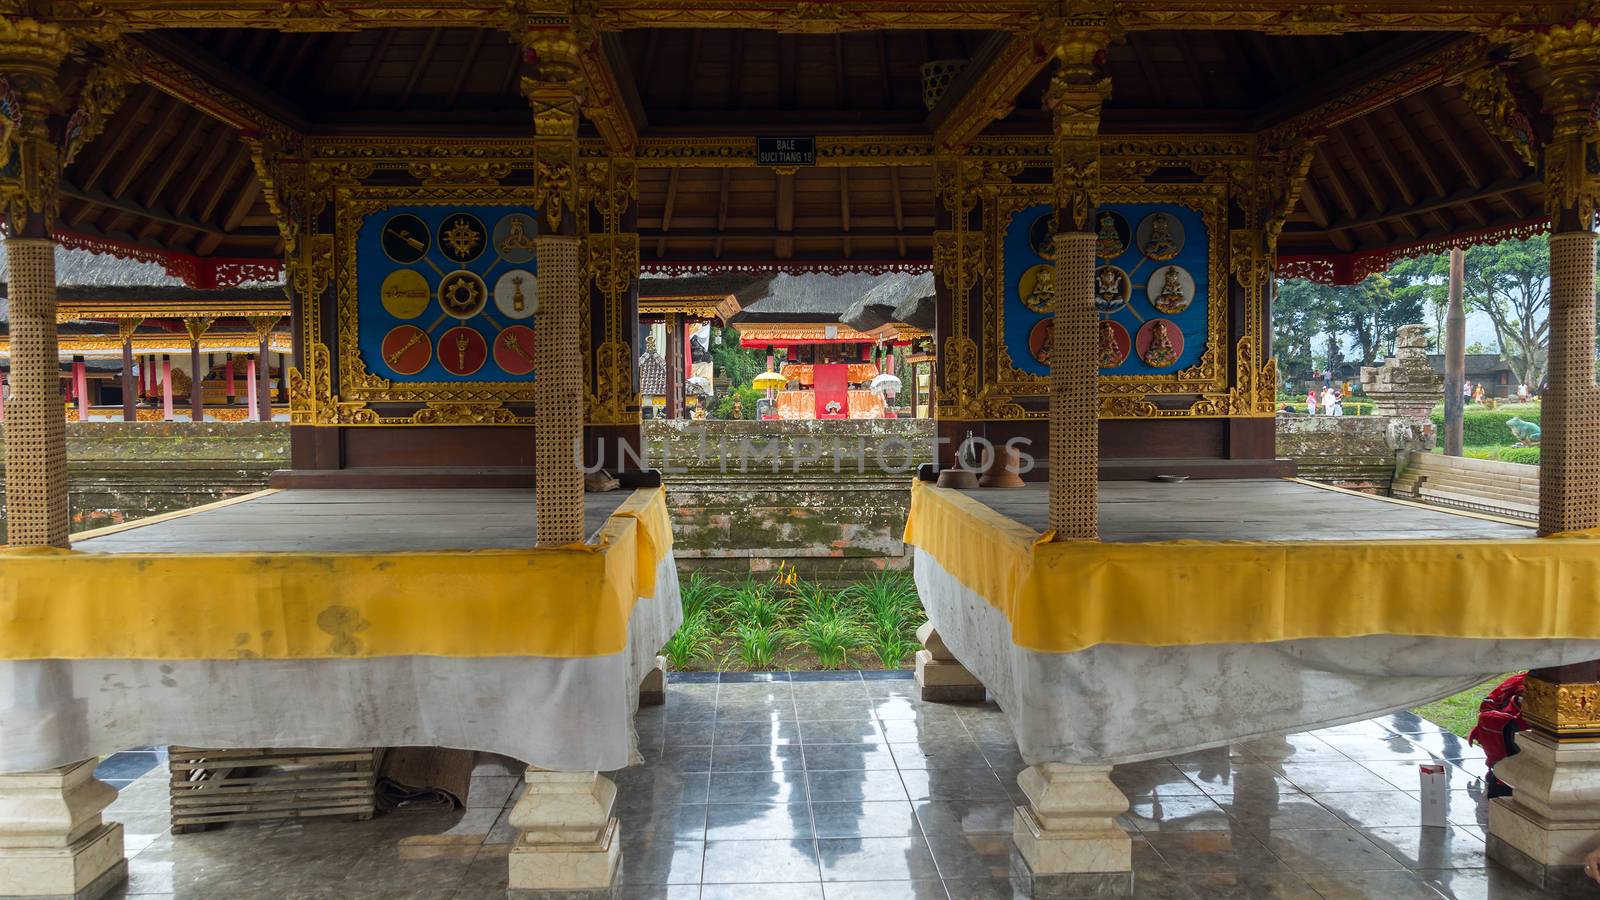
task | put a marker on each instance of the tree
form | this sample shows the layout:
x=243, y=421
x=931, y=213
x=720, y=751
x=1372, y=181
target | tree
x=1300, y=312
x=1371, y=313
x=1510, y=283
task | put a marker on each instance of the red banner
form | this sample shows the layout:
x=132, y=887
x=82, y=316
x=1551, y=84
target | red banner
x=833, y=390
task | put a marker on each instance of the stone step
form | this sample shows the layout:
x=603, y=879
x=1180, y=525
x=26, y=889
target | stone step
x=1486, y=496
x=1504, y=506
x=1498, y=482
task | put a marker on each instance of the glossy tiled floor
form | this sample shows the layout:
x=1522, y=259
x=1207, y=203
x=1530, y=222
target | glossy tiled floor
x=852, y=788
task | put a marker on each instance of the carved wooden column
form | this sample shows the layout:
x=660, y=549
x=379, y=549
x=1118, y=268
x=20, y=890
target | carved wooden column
x=36, y=451
x=558, y=388
x=262, y=395
x=611, y=242
x=1076, y=93
x=1552, y=820
x=130, y=389
x=197, y=395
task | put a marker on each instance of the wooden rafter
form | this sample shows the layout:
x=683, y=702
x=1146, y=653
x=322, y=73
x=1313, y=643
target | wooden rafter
x=666, y=210
x=722, y=209
x=1003, y=66
x=370, y=70
x=149, y=144
x=844, y=208
x=423, y=59
x=1462, y=198
x=230, y=173
x=111, y=145
x=195, y=176
x=464, y=69
x=177, y=152
x=611, y=101
x=1365, y=179
x=899, y=207
x=783, y=247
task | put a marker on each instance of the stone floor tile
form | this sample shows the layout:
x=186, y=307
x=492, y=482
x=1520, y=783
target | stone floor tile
x=1363, y=747
x=646, y=784
x=756, y=712
x=1004, y=758
x=1254, y=779
x=765, y=692
x=1326, y=777
x=954, y=784
x=758, y=821
x=1297, y=748
x=962, y=753
x=1371, y=886
x=805, y=891
x=957, y=817
x=863, y=755
x=681, y=759
x=756, y=734
x=1212, y=851
x=1264, y=816
x=757, y=787
x=1334, y=850
x=770, y=758
x=875, y=859
x=842, y=708
x=925, y=889
x=904, y=731
x=1153, y=776
x=1250, y=886
x=856, y=785
x=661, y=861
x=693, y=733
x=672, y=821
x=841, y=731
x=1419, y=847
x=1492, y=883
x=1446, y=745
x=128, y=765
x=1405, y=774
x=1373, y=809
x=862, y=819
x=491, y=790
x=981, y=889
x=759, y=862
x=1180, y=813
x=975, y=856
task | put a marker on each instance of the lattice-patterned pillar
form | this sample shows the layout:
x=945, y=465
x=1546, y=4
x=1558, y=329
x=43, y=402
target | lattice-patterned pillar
x=36, y=455
x=1569, y=473
x=558, y=385
x=1075, y=96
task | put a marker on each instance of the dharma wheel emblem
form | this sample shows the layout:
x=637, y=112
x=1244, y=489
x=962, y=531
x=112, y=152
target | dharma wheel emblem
x=462, y=294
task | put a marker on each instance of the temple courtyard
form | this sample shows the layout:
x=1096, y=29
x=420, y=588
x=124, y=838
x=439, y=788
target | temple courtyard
x=821, y=786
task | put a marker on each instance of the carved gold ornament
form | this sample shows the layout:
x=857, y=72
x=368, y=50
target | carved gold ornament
x=1567, y=711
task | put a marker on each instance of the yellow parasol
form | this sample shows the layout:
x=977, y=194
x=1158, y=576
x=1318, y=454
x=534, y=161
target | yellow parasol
x=769, y=381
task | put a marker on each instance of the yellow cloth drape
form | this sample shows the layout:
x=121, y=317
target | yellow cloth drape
x=1064, y=597
x=566, y=602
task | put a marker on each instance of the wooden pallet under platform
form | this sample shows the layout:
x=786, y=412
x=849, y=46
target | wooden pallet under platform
x=211, y=787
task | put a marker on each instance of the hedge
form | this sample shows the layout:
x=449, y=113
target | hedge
x=1487, y=428
x=1525, y=455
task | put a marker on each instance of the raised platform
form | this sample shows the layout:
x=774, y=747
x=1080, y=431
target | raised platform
x=350, y=521
x=1248, y=510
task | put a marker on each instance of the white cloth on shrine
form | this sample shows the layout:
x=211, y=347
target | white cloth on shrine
x=1124, y=703
x=562, y=714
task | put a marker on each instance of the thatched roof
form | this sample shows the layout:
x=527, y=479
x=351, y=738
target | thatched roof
x=883, y=303
x=746, y=286
x=809, y=298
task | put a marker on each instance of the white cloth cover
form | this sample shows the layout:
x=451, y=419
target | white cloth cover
x=1124, y=703
x=570, y=715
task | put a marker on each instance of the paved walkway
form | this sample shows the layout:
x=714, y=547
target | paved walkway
x=844, y=786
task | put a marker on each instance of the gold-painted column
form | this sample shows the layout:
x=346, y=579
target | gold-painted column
x=1075, y=96
x=558, y=359
x=1569, y=472
x=36, y=450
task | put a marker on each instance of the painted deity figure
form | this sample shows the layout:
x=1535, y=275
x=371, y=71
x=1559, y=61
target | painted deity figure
x=1171, y=299
x=1110, y=350
x=1160, y=353
x=1108, y=284
x=1161, y=244
x=1108, y=243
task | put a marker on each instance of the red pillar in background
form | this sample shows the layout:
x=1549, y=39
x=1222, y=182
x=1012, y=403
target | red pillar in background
x=228, y=371
x=80, y=385
x=250, y=392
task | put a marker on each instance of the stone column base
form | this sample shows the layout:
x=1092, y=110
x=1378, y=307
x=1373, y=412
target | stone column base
x=567, y=871
x=653, y=690
x=52, y=841
x=941, y=678
x=567, y=844
x=1068, y=841
x=1547, y=854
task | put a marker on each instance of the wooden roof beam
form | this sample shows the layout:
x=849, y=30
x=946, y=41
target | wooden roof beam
x=130, y=208
x=423, y=59
x=1460, y=198
x=666, y=210
x=370, y=70
x=844, y=206
x=1328, y=100
x=722, y=209
x=783, y=247
x=191, y=73
x=177, y=152
x=151, y=142
x=611, y=102
x=986, y=90
x=465, y=68
x=111, y=145
x=899, y=206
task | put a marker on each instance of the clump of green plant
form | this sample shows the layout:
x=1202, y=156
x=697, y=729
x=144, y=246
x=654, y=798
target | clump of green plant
x=754, y=603
x=830, y=633
x=757, y=644
x=693, y=641
x=892, y=612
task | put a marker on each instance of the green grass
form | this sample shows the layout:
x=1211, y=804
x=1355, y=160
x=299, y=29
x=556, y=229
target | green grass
x=782, y=622
x=1459, y=713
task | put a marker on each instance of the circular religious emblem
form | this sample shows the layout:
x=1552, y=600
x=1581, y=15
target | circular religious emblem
x=1160, y=343
x=1171, y=289
x=462, y=350
x=404, y=238
x=1115, y=344
x=1112, y=288
x=405, y=293
x=1037, y=287
x=462, y=294
x=513, y=238
x=406, y=349
x=1112, y=234
x=1042, y=236
x=514, y=294
x=1040, y=339
x=1160, y=236
x=513, y=350
x=462, y=237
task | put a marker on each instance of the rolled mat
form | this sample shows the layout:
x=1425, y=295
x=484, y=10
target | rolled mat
x=424, y=779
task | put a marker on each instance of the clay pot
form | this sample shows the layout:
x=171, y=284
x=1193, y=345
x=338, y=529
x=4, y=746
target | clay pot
x=959, y=479
x=1002, y=471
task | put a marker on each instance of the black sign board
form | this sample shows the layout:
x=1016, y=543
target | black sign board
x=786, y=151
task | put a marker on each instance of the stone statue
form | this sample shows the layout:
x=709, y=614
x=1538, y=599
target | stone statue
x=1527, y=433
x=1405, y=385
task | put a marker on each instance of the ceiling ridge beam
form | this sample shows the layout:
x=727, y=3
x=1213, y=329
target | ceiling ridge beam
x=1470, y=195
x=611, y=102
x=986, y=90
x=190, y=74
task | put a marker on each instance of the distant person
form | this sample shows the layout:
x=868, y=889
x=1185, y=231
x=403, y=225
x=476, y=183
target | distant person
x=1477, y=393
x=1311, y=402
x=1327, y=401
x=1522, y=393
x=1466, y=392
